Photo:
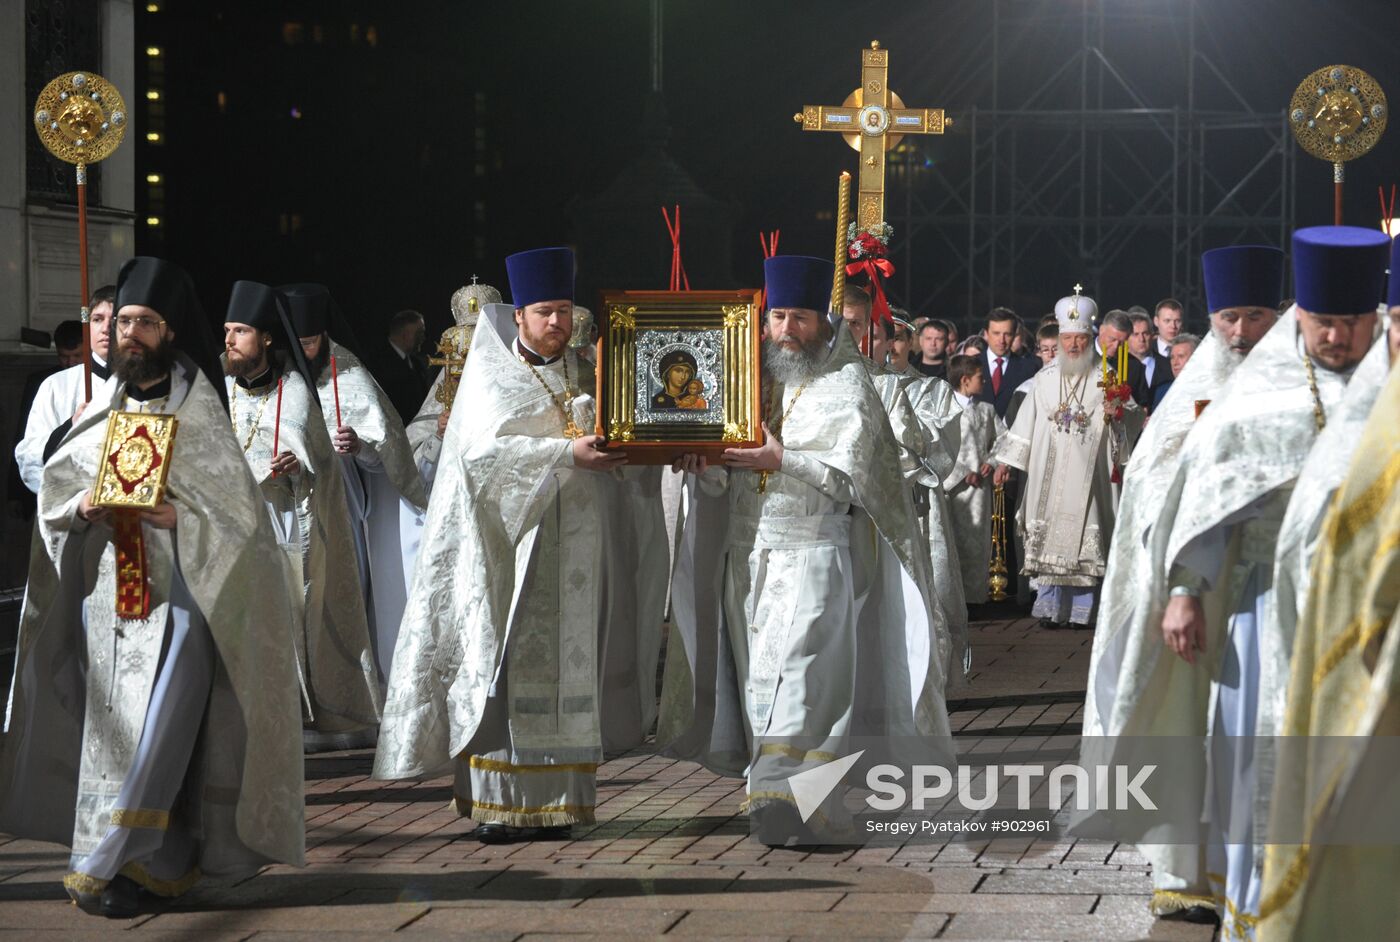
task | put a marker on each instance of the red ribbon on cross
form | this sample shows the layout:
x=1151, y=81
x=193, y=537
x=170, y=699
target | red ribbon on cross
x=875, y=269
x=678, y=275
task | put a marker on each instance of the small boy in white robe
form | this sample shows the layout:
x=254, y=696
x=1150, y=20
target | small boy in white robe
x=969, y=484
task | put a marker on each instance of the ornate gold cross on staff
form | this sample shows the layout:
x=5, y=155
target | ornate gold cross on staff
x=873, y=120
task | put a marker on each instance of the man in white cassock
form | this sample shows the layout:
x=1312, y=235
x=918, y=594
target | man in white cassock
x=500, y=669
x=382, y=482
x=767, y=674
x=1235, y=478
x=60, y=399
x=160, y=742
x=928, y=438
x=1136, y=688
x=1060, y=441
x=271, y=402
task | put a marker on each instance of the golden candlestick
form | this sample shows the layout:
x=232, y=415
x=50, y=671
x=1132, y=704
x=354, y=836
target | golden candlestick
x=843, y=221
x=997, y=579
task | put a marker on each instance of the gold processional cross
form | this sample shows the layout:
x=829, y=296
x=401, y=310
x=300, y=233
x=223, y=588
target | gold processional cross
x=873, y=120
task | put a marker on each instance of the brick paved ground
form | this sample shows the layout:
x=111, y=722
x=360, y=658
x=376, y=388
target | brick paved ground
x=669, y=856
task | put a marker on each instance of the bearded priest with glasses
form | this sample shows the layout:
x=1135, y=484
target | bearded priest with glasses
x=154, y=725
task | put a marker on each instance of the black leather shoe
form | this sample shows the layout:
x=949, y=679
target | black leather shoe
x=1049, y=625
x=496, y=833
x=121, y=899
x=560, y=832
x=1201, y=915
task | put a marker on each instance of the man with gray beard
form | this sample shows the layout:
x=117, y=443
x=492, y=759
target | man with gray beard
x=1135, y=687
x=767, y=675
x=1062, y=444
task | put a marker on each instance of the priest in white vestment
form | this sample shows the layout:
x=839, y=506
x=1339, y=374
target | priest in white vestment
x=1062, y=444
x=499, y=670
x=1136, y=688
x=1235, y=478
x=162, y=745
x=381, y=478
x=271, y=402
x=1334, y=861
x=59, y=400
x=927, y=435
x=767, y=675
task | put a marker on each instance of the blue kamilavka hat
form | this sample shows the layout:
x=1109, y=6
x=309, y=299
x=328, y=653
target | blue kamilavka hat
x=798, y=281
x=1339, y=269
x=1243, y=276
x=541, y=275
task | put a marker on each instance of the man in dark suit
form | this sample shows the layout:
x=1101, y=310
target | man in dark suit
x=1002, y=372
x=405, y=374
x=1114, y=331
x=1157, y=369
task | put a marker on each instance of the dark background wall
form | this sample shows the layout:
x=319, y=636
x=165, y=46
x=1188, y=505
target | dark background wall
x=392, y=150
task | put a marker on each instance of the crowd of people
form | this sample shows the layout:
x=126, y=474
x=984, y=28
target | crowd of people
x=476, y=584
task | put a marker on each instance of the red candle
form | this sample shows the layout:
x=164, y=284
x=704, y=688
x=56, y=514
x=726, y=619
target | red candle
x=277, y=425
x=335, y=386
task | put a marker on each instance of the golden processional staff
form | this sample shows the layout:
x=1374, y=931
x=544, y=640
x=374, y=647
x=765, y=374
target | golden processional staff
x=1337, y=114
x=81, y=119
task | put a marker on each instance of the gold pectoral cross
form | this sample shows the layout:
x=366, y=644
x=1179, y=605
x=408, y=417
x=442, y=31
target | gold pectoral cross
x=873, y=120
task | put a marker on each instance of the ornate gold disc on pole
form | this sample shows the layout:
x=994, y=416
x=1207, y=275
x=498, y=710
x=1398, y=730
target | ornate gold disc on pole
x=81, y=119
x=1338, y=114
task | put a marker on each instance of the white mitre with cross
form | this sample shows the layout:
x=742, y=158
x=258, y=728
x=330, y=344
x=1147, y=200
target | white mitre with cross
x=1076, y=313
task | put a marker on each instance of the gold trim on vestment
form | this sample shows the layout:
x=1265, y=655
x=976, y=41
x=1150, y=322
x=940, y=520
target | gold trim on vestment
x=485, y=812
x=148, y=818
x=510, y=768
x=540, y=809
x=1366, y=506
x=167, y=888
x=792, y=752
x=1292, y=881
x=1171, y=901
x=78, y=882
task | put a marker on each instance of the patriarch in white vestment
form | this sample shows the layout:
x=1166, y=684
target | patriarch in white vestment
x=1062, y=444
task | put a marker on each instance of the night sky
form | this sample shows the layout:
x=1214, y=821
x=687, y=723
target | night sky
x=357, y=164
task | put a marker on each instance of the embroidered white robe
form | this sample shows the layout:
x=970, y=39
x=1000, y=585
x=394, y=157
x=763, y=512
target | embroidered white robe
x=500, y=661
x=167, y=746
x=334, y=656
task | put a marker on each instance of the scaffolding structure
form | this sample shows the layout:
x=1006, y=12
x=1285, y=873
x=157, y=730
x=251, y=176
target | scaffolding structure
x=1079, y=166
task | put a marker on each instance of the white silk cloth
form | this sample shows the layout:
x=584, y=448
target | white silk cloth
x=923, y=418
x=1323, y=473
x=331, y=638
x=57, y=398
x=249, y=766
x=379, y=481
x=505, y=463
x=970, y=508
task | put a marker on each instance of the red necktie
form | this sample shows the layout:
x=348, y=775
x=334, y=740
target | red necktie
x=996, y=378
